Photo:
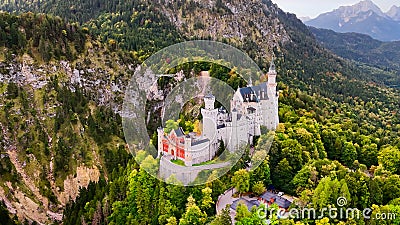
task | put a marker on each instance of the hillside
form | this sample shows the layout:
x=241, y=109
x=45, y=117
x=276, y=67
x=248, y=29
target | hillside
x=62, y=89
x=267, y=32
x=384, y=56
x=57, y=134
x=264, y=31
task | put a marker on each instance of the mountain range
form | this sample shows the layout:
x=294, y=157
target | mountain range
x=364, y=17
x=383, y=57
x=394, y=13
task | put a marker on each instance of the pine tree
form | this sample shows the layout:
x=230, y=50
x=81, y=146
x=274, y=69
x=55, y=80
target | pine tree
x=283, y=174
x=242, y=212
x=261, y=173
x=349, y=153
x=322, y=193
x=223, y=218
x=44, y=50
x=144, y=189
x=344, y=190
x=193, y=214
x=207, y=201
x=259, y=188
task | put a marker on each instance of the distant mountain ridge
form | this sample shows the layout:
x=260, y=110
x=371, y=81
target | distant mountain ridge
x=305, y=18
x=364, y=17
x=384, y=56
x=394, y=13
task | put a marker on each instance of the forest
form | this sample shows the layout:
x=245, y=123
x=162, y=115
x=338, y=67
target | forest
x=313, y=157
x=382, y=57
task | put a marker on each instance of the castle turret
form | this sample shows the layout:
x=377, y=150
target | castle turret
x=250, y=83
x=210, y=114
x=272, y=111
x=160, y=133
x=188, y=148
x=234, y=116
x=209, y=101
x=272, y=77
x=233, y=138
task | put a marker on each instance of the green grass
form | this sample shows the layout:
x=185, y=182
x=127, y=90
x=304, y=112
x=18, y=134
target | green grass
x=178, y=162
x=206, y=163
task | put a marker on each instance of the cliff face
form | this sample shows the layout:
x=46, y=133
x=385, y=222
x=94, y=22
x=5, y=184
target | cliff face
x=55, y=132
x=245, y=24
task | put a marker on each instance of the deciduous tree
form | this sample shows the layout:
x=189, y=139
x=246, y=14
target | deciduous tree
x=241, y=180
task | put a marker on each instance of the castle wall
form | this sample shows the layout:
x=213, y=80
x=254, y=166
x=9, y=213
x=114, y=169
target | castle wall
x=201, y=153
x=270, y=113
x=184, y=174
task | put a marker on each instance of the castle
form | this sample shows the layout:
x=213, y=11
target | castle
x=252, y=107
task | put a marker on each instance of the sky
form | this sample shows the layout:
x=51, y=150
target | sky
x=313, y=8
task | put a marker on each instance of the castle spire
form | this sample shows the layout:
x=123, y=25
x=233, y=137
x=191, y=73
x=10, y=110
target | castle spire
x=272, y=65
x=272, y=75
x=250, y=83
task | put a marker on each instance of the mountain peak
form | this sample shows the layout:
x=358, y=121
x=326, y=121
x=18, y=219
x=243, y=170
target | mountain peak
x=363, y=6
x=364, y=17
x=305, y=18
x=367, y=4
x=394, y=13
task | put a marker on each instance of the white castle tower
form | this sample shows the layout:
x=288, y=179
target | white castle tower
x=272, y=116
x=209, y=118
x=188, y=147
x=160, y=134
